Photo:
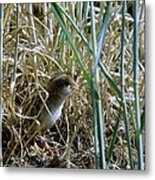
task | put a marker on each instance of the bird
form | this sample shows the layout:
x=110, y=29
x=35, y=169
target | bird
x=60, y=88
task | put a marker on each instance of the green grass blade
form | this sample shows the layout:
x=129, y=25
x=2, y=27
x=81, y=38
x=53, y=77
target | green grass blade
x=112, y=142
x=111, y=81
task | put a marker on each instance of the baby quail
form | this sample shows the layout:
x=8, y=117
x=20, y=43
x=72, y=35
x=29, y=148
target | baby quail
x=59, y=88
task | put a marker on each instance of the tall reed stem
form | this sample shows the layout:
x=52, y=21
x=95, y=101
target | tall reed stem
x=1, y=80
x=98, y=104
x=139, y=137
x=126, y=119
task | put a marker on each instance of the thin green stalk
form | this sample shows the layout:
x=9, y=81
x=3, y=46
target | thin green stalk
x=86, y=10
x=139, y=137
x=79, y=13
x=98, y=104
x=122, y=75
x=111, y=81
x=105, y=24
x=1, y=80
x=114, y=135
x=95, y=125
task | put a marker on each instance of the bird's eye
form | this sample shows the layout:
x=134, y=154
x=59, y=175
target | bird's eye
x=65, y=83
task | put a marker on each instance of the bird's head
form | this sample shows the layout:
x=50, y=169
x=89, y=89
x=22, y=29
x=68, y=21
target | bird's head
x=63, y=85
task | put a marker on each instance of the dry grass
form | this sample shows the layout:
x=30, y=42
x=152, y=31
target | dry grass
x=44, y=50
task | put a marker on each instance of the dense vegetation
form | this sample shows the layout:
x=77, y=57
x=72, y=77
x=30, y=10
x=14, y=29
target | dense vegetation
x=101, y=44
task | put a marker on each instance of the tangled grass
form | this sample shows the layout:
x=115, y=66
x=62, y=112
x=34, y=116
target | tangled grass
x=36, y=46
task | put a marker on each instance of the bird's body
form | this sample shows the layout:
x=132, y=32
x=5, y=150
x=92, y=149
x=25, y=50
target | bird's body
x=59, y=89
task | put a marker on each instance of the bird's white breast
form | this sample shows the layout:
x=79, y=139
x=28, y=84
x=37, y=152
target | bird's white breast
x=56, y=113
x=49, y=117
